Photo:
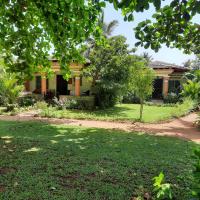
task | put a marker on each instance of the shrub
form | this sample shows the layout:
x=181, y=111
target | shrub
x=49, y=96
x=41, y=105
x=65, y=104
x=105, y=97
x=184, y=108
x=172, y=98
x=10, y=90
x=26, y=101
x=130, y=98
x=85, y=104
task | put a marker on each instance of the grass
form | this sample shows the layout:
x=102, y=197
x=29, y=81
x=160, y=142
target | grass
x=124, y=112
x=54, y=162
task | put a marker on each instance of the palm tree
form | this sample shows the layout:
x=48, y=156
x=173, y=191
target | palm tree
x=147, y=57
x=107, y=28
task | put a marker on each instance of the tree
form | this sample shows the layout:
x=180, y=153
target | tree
x=107, y=30
x=187, y=64
x=147, y=57
x=109, y=70
x=30, y=28
x=191, y=87
x=195, y=64
x=141, y=82
x=10, y=89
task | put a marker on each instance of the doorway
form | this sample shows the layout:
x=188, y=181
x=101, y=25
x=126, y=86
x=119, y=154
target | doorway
x=61, y=85
x=158, y=89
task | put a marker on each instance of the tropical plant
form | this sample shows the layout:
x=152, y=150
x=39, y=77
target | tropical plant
x=172, y=98
x=10, y=90
x=141, y=82
x=147, y=57
x=109, y=70
x=195, y=64
x=191, y=87
x=107, y=29
x=65, y=25
x=163, y=190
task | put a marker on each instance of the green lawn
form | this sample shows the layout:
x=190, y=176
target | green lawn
x=51, y=162
x=123, y=112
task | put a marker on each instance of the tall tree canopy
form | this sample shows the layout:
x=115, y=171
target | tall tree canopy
x=30, y=28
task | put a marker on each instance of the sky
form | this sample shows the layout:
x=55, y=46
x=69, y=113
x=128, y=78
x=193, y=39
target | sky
x=126, y=29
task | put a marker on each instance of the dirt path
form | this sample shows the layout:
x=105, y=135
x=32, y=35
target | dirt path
x=182, y=127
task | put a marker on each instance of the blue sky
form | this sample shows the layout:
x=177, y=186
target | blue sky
x=126, y=29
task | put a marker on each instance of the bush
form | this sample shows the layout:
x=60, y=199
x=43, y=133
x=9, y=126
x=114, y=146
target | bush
x=172, y=98
x=41, y=105
x=29, y=100
x=130, y=98
x=49, y=96
x=184, y=108
x=105, y=98
x=26, y=101
x=10, y=90
x=65, y=104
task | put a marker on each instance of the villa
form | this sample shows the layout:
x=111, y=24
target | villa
x=167, y=80
x=168, y=77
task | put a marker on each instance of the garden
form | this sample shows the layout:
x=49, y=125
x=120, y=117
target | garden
x=64, y=162
x=42, y=160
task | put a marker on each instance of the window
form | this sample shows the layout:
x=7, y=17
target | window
x=47, y=83
x=174, y=86
x=38, y=82
x=37, y=85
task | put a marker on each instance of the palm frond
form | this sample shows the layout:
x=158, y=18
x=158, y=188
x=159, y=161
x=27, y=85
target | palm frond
x=111, y=26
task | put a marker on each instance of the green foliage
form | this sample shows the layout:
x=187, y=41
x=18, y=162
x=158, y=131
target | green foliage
x=173, y=26
x=41, y=105
x=184, y=108
x=109, y=69
x=196, y=172
x=10, y=90
x=192, y=86
x=29, y=29
x=172, y=98
x=141, y=82
x=130, y=98
x=65, y=104
x=28, y=100
x=79, y=103
x=163, y=190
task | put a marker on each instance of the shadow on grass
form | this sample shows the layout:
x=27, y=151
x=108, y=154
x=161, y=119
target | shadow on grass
x=110, y=112
x=59, y=162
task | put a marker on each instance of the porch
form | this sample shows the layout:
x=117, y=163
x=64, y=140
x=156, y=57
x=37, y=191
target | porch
x=77, y=85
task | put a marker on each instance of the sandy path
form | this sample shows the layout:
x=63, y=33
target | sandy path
x=182, y=127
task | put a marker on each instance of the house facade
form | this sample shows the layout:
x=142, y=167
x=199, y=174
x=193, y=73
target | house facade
x=76, y=86
x=168, y=77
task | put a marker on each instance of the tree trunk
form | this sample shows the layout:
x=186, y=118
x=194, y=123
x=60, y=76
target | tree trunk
x=141, y=109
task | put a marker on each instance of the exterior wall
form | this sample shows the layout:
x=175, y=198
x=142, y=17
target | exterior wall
x=168, y=75
x=52, y=83
x=32, y=85
x=86, y=84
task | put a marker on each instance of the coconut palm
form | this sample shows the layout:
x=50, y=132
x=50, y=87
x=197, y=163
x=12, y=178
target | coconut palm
x=107, y=29
x=147, y=57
